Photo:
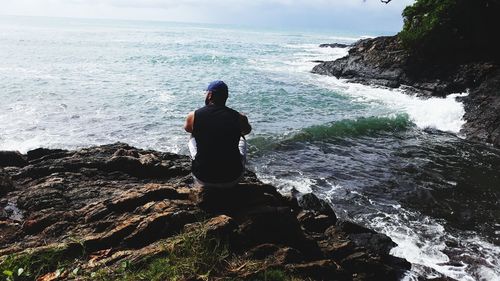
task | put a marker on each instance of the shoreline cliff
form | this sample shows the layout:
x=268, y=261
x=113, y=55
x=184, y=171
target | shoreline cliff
x=383, y=61
x=114, y=212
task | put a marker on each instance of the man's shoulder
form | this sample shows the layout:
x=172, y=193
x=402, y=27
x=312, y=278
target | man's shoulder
x=232, y=110
x=200, y=109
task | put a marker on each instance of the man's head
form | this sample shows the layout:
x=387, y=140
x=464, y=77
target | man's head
x=217, y=93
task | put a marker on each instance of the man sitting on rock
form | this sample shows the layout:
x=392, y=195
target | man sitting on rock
x=217, y=144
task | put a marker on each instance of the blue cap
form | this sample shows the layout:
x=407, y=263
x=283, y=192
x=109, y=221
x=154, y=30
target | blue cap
x=218, y=86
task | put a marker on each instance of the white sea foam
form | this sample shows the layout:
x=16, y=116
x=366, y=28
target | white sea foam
x=421, y=241
x=303, y=185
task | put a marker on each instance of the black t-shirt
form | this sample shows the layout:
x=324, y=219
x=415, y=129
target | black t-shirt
x=217, y=133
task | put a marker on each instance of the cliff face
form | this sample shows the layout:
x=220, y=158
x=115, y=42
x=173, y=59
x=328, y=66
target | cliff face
x=383, y=61
x=117, y=212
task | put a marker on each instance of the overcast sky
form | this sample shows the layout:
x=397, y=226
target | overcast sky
x=359, y=15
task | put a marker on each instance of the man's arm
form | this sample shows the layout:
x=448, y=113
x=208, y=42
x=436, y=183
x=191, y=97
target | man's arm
x=188, y=125
x=244, y=125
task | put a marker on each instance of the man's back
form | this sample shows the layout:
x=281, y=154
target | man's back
x=217, y=132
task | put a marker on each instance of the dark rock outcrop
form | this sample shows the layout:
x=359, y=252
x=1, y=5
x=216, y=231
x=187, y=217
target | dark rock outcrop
x=12, y=159
x=383, y=61
x=334, y=45
x=120, y=203
x=6, y=184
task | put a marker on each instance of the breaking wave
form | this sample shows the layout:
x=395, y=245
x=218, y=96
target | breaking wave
x=347, y=128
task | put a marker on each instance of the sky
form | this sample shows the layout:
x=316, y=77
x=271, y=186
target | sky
x=359, y=15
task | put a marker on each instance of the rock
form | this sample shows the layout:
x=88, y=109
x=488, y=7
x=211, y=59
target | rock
x=6, y=184
x=128, y=164
x=114, y=236
x=337, y=248
x=42, y=152
x=126, y=152
x=149, y=229
x=144, y=166
x=334, y=45
x=288, y=255
x=39, y=222
x=315, y=223
x=369, y=267
x=221, y=226
x=129, y=201
x=363, y=237
x=9, y=233
x=319, y=270
x=352, y=228
x=262, y=251
x=12, y=159
x=266, y=224
x=36, y=199
x=313, y=203
x=372, y=60
x=482, y=107
x=240, y=198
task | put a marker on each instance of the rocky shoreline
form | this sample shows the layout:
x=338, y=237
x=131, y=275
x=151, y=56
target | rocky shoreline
x=114, y=212
x=383, y=61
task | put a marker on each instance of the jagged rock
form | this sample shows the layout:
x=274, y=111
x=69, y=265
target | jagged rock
x=278, y=255
x=127, y=164
x=12, y=159
x=6, y=184
x=315, y=223
x=221, y=226
x=262, y=251
x=482, y=107
x=36, y=199
x=311, y=202
x=144, y=166
x=367, y=238
x=43, y=152
x=275, y=225
x=319, y=270
x=334, y=45
x=152, y=192
x=9, y=233
x=240, y=198
x=126, y=152
x=370, y=267
x=38, y=222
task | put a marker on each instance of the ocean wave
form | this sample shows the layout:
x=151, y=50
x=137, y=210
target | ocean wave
x=350, y=128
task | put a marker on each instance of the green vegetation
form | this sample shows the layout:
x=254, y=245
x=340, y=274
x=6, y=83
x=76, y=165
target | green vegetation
x=424, y=19
x=189, y=255
x=30, y=265
x=452, y=28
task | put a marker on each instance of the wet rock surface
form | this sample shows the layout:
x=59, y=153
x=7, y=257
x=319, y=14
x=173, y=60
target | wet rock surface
x=384, y=62
x=334, y=45
x=116, y=203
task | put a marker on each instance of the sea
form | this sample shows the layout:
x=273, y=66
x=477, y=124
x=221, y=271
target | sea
x=393, y=162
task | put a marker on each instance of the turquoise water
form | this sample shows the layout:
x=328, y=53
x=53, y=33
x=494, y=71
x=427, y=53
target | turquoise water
x=385, y=159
